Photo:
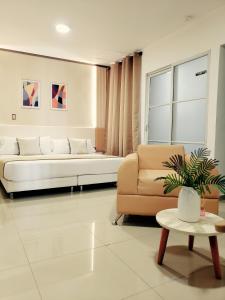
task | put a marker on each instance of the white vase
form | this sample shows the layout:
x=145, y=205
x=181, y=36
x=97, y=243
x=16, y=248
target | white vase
x=189, y=203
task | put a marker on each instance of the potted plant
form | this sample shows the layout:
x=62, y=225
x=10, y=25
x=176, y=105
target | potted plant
x=194, y=176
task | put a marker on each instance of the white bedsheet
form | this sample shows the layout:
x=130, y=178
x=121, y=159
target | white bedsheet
x=56, y=168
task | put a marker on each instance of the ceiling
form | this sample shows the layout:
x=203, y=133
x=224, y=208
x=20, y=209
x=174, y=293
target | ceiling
x=102, y=31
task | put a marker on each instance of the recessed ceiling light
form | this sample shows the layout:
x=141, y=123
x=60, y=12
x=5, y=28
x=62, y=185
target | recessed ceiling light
x=62, y=28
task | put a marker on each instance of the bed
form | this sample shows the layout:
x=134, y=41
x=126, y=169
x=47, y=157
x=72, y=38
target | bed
x=23, y=173
x=45, y=171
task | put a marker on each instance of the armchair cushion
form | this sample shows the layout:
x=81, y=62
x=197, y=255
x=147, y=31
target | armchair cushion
x=148, y=186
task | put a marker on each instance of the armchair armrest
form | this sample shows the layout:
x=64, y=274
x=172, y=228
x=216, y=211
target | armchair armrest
x=128, y=175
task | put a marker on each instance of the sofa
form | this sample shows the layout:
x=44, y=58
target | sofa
x=137, y=191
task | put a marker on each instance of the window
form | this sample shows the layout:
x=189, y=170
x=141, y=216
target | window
x=177, y=104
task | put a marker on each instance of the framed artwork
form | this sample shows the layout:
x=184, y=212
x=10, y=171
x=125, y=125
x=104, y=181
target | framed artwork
x=59, y=96
x=30, y=94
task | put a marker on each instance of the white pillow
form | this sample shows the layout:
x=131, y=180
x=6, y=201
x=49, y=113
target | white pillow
x=46, y=144
x=61, y=146
x=29, y=146
x=78, y=146
x=8, y=146
x=90, y=147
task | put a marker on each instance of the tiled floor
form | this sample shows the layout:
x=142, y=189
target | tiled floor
x=63, y=247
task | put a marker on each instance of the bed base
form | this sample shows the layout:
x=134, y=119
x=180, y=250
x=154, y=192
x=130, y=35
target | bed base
x=21, y=186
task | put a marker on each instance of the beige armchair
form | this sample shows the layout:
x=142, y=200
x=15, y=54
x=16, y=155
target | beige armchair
x=137, y=191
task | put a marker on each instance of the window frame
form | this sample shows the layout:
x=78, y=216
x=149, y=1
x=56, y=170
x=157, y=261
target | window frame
x=172, y=101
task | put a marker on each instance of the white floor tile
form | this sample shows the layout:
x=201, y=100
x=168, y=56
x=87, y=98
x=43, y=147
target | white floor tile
x=200, y=285
x=11, y=248
x=96, y=274
x=61, y=203
x=142, y=260
x=54, y=242
x=50, y=220
x=146, y=295
x=108, y=234
x=5, y=214
x=18, y=284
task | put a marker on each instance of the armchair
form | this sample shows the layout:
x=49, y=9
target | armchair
x=137, y=191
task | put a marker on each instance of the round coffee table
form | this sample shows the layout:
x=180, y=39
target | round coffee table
x=205, y=227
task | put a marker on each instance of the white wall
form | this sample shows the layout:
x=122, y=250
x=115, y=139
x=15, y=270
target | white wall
x=197, y=37
x=81, y=88
x=220, y=118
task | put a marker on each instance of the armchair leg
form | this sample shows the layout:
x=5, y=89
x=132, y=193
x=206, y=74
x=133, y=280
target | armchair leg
x=11, y=196
x=115, y=222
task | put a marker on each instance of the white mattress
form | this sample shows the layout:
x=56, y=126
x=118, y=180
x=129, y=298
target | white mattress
x=55, y=168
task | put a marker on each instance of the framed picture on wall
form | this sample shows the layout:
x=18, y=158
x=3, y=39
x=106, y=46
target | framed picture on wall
x=30, y=93
x=58, y=96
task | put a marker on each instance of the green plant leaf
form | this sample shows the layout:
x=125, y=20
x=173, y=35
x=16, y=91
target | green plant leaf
x=195, y=173
x=171, y=182
x=160, y=178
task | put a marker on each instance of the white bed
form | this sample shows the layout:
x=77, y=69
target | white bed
x=45, y=173
x=23, y=173
x=50, y=171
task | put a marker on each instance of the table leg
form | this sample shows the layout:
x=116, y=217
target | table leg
x=162, y=246
x=190, y=242
x=215, y=256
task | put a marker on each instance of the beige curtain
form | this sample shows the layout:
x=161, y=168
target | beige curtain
x=102, y=92
x=102, y=96
x=123, y=107
x=112, y=134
